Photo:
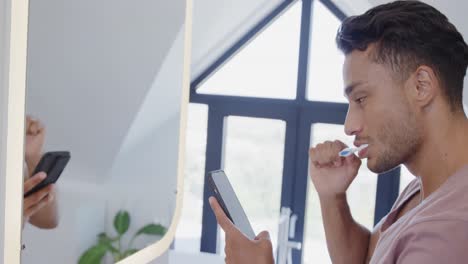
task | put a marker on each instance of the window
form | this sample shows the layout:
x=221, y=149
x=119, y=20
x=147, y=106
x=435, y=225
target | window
x=266, y=67
x=405, y=178
x=325, y=81
x=254, y=164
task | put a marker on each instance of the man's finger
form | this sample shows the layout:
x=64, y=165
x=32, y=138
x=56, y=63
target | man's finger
x=37, y=197
x=221, y=217
x=35, y=128
x=33, y=125
x=38, y=206
x=29, y=120
x=264, y=235
x=33, y=181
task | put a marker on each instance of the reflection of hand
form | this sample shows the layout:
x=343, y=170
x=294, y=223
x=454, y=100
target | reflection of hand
x=239, y=249
x=35, y=135
x=38, y=200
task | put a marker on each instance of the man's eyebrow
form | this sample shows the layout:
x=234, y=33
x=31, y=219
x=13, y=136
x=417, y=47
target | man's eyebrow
x=349, y=89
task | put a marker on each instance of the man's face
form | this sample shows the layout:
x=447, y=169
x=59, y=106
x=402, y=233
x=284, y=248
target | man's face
x=379, y=112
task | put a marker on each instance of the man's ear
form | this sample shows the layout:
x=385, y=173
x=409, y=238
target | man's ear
x=424, y=86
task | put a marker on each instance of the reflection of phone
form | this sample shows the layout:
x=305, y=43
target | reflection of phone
x=52, y=163
x=226, y=197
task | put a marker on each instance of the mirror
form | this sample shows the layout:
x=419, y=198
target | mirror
x=106, y=81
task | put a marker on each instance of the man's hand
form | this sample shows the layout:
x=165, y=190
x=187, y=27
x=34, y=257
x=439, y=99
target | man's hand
x=35, y=136
x=239, y=249
x=330, y=173
x=40, y=209
x=35, y=202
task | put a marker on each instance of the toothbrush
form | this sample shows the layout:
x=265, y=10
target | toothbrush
x=348, y=151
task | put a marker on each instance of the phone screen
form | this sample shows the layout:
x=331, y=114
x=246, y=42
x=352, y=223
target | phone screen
x=227, y=198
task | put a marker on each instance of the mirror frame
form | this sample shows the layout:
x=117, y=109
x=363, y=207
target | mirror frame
x=14, y=33
x=14, y=48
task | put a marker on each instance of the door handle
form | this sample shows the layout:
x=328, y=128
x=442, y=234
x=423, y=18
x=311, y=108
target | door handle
x=287, y=230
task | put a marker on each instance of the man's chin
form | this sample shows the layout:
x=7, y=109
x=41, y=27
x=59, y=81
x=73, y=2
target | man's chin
x=379, y=167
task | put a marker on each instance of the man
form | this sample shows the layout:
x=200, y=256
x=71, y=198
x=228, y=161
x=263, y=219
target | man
x=403, y=74
x=40, y=208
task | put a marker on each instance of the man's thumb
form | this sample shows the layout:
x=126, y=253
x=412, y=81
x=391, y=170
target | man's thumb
x=264, y=235
x=351, y=159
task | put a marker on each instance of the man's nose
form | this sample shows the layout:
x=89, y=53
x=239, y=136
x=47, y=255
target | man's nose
x=353, y=124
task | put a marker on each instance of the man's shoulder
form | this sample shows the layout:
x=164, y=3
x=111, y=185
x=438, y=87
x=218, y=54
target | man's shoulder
x=435, y=223
x=417, y=243
x=448, y=203
x=407, y=193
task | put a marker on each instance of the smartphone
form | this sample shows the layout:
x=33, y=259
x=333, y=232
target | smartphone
x=227, y=199
x=53, y=164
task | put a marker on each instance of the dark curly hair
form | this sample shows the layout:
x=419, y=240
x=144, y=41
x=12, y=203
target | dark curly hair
x=408, y=34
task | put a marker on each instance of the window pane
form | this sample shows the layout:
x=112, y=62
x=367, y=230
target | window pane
x=254, y=164
x=361, y=198
x=465, y=105
x=325, y=81
x=267, y=66
x=405, y=178
x=189, y=229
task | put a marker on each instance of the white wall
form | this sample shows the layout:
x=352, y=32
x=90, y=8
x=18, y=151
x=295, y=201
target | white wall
x=145, y=181
x=91, y=65
x=82, y=209
x=144, y=171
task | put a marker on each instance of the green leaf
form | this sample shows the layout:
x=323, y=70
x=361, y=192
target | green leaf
x=129, y=252
x=107, y=241
x=103, y=237
x=152, y=229
x=121, y=222
x=111, y=248
x=93, y=255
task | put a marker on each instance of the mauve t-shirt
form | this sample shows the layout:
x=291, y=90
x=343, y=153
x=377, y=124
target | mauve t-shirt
x=435, y=231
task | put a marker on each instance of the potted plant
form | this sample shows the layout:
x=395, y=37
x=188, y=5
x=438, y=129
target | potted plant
x=113, y=245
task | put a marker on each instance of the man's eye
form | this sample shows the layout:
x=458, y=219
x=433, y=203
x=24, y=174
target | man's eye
x=360, y=100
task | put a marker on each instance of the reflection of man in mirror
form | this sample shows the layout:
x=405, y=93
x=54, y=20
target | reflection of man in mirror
x=40, y=208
